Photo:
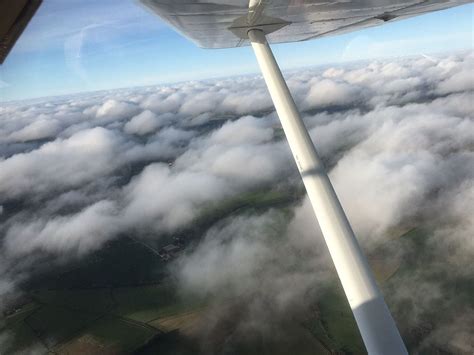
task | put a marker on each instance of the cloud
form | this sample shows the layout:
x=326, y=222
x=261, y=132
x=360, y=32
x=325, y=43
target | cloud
x=114, y=110
x=328, y=92
x=240, y=152
x=243, y=252
x=459, y=80
x=144, y=123
x=79, y=233
x=166, y=200
x=40, y=129
x=454, y=337
x=248, y=262
x=166, y=101
x=63, y=163
x=245, y=130
x=6, y=288
x=167, y=144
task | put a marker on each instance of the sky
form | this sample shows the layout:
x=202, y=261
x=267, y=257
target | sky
x=86, y=45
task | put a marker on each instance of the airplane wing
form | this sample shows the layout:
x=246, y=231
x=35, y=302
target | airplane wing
x=223, y=23
x=14, y=16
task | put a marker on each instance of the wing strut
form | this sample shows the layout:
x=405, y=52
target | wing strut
x=376, y=325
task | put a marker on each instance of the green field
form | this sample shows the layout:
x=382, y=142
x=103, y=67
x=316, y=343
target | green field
x=117, y=335
x=148, y=303
x=21, y=336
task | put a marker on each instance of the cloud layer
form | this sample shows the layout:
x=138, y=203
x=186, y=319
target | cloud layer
x=397, y=137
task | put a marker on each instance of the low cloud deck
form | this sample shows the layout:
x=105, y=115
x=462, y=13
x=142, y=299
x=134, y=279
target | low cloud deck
x=222, y=23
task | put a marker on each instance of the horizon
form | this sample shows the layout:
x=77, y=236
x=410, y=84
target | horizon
x=286, y=72
x=54, y=58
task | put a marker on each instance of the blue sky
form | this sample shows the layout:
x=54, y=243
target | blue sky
x=83, y=45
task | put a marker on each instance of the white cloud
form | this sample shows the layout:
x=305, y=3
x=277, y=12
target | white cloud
x=326, y=92
x=245, y=130
x=115, y=110
x=86, y=155
x=166, y=144
x=250, y=260
x=77, y=234
x=165, y=200
x=144, y=123
x=39, y=129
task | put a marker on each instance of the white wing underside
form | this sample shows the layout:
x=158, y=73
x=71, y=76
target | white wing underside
x=224, y=23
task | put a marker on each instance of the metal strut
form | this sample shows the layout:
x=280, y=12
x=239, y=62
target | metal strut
x=376, y=325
